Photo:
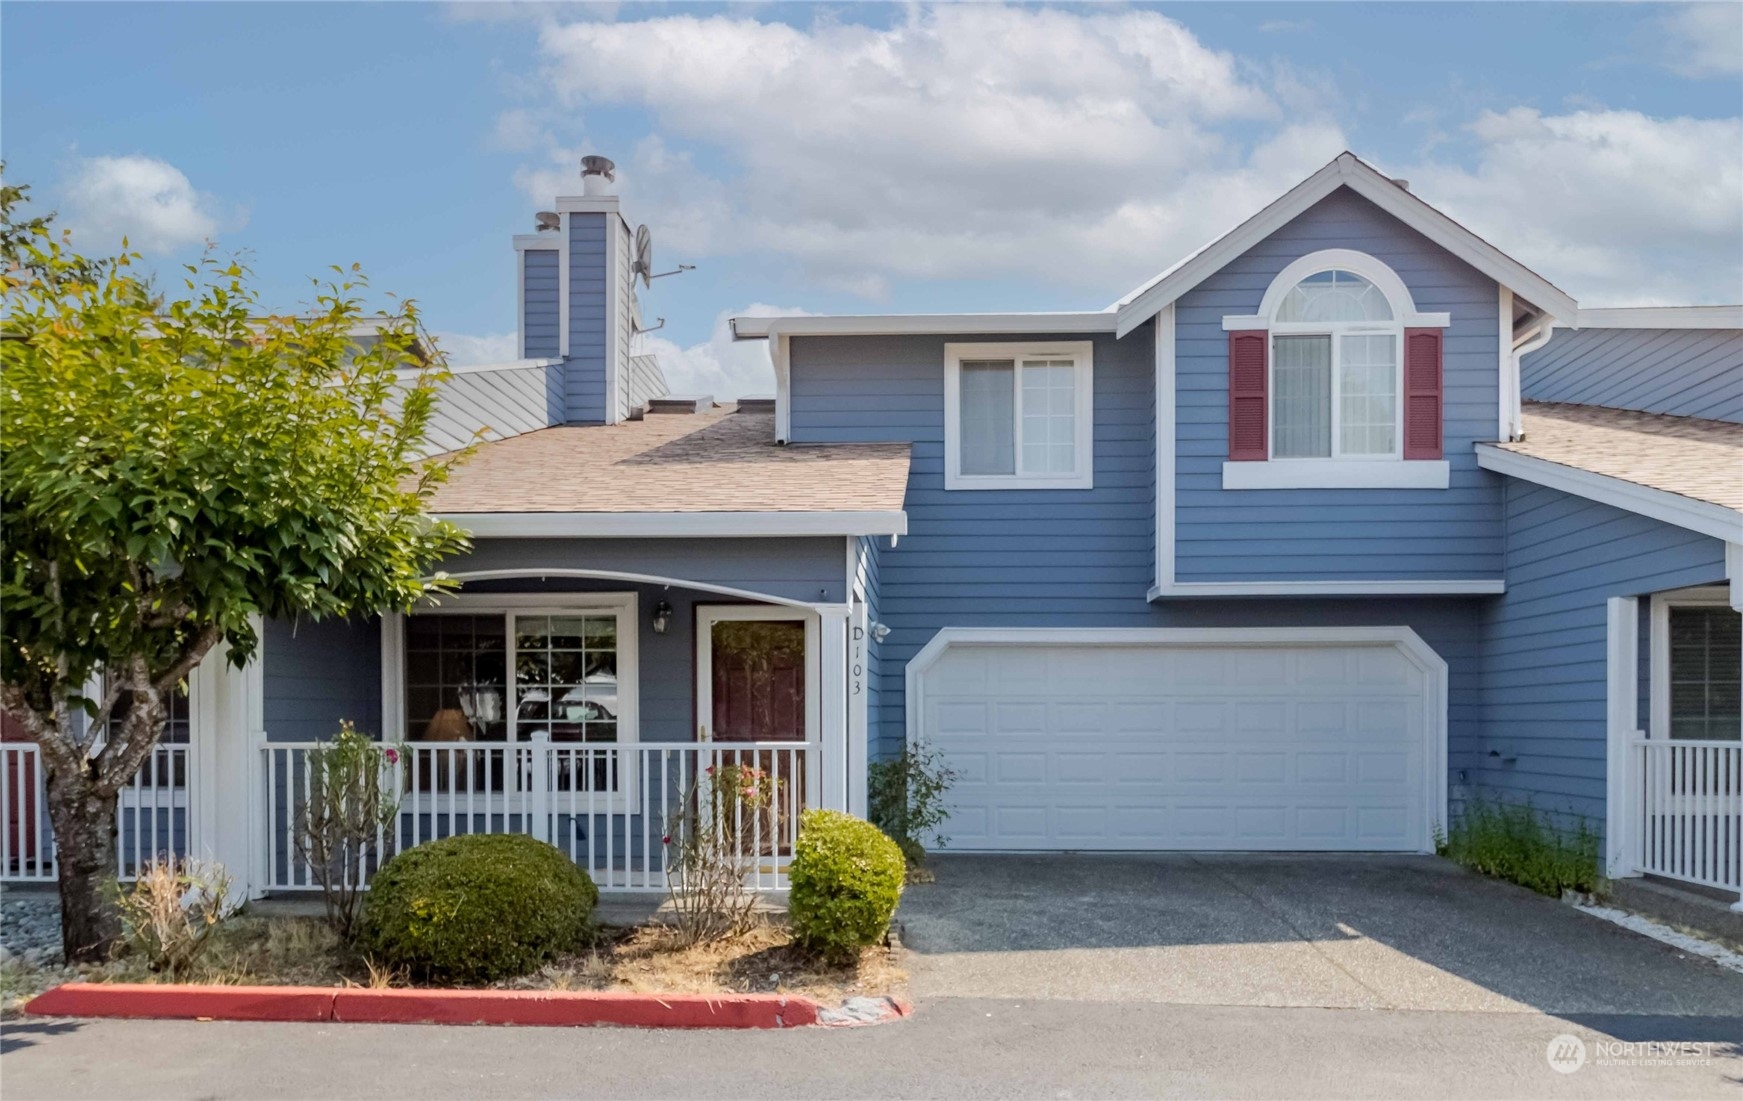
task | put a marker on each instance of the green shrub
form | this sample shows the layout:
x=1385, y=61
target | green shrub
x=907, y=798
x=846, y=880
x=1512, y=841
x=476, y=908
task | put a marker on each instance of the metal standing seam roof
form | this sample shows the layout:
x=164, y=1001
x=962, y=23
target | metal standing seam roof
x=719, y=461
x=1696, y=458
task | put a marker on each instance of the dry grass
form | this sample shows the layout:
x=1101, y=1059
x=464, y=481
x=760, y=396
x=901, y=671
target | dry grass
x=653, y=959
x=296, y=951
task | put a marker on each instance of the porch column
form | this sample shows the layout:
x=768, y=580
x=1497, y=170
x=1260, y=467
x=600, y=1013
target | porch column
x=225, y=714
x=858, y=757
x=1622, y=795
x=833, y=705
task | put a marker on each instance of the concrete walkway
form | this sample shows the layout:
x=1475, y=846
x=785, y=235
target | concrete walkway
x=1348, y=932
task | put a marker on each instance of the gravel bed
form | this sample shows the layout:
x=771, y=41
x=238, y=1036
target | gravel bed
x=30, y=929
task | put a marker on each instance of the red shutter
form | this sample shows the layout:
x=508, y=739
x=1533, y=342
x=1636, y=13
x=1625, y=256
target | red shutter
x=1422, y=394
x=1247, y=405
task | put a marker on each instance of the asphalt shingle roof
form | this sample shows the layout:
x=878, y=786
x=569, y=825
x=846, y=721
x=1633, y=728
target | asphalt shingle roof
x=1697, y=458
x=720, y=461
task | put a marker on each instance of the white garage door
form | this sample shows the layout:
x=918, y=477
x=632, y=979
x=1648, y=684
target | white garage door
x=1280, y=746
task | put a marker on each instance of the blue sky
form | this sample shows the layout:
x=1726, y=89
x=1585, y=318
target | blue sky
x=868, y=158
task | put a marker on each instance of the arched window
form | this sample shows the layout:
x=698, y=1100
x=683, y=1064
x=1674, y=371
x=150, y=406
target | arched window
x=1320, y=373
x=1335, y=358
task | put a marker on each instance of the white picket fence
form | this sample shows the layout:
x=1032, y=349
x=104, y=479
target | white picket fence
x=155, y=816
x=1689, y=810
x=609, y=807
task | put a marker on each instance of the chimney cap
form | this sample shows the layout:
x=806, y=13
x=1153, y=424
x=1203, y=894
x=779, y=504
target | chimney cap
x=595, y=165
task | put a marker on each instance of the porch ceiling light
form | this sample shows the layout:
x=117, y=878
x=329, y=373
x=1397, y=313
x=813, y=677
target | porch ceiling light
x=662, y=617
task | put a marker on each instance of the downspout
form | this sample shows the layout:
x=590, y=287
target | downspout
x=1534, y=337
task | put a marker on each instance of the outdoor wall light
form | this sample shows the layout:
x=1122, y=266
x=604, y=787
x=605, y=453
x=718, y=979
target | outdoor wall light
x=880, y=631
x=662, y=617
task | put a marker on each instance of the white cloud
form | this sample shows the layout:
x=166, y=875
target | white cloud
x=464, y=350
x=1616, y=207
x=1703, y=40
x=720, y=366
x=962, y=142
x=146, y=200
x=1084, y=151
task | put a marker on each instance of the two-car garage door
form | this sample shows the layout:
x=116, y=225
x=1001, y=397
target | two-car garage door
x=1258, y=743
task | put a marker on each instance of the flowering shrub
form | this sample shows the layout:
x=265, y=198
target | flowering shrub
x=724, y=824
x=348, y=808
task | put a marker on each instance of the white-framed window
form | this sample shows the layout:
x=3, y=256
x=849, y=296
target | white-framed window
x=1018, y=415
x=1696, y=671
x=1335, y=399
x=489, y=667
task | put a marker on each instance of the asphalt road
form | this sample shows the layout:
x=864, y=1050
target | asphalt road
x=953, y=1047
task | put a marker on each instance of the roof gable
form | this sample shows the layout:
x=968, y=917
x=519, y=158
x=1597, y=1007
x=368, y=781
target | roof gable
x=1347, y=170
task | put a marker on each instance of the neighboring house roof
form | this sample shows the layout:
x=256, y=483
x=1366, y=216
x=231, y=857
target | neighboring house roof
x=1684, y=470
x=1346, y=170
x=759, y=328
x=1662, y=317
x=713, y=473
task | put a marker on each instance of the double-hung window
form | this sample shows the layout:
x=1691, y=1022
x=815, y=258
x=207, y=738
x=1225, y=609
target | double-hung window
x=1335, y=362
x=1018, y=416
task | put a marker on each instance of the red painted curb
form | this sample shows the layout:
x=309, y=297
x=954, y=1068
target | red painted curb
x=228, y=1003
x=454, y=1007
x=549, y=1007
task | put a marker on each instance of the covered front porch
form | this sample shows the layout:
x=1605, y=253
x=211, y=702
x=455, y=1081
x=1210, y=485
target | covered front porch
x=562, y=694
x=569, y=690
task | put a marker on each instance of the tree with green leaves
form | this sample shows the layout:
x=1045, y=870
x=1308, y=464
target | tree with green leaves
x=172, y=472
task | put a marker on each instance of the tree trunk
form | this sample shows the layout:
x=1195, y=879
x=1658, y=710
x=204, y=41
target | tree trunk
x=84, y=844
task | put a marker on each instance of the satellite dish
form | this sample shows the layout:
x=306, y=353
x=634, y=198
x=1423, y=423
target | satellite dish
x=643, y=264
x=549, y=219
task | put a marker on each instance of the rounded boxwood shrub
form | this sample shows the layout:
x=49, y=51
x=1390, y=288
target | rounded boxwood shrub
x=476, y=908
x=846, y=879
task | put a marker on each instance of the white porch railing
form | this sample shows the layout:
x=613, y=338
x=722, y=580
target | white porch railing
x=607, y=806
x=154, y=818
x=1690, y=810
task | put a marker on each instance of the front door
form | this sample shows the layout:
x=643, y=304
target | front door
x=755, y=680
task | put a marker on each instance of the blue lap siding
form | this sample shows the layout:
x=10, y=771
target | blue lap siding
x=542, y=323
x=1685, y=372
x=1331, y=534
x=589, y=359
x=1544, y=684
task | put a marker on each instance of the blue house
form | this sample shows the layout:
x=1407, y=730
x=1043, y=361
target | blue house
x=1342, y=520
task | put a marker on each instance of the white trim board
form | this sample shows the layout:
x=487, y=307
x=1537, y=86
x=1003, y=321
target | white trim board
x=1622, y=726
x=541, y=573
x=1662, y=317
x=1384, y=473
x=1400, y=587
x=1347, y=170
x=1672, y=508
x=603, y=525
x=942, y=324
x=486, y=368
x=1407, y=641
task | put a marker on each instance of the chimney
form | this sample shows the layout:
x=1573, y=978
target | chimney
x=597, y=175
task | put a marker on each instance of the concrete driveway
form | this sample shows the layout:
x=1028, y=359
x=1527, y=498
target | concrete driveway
x=1353, y=932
